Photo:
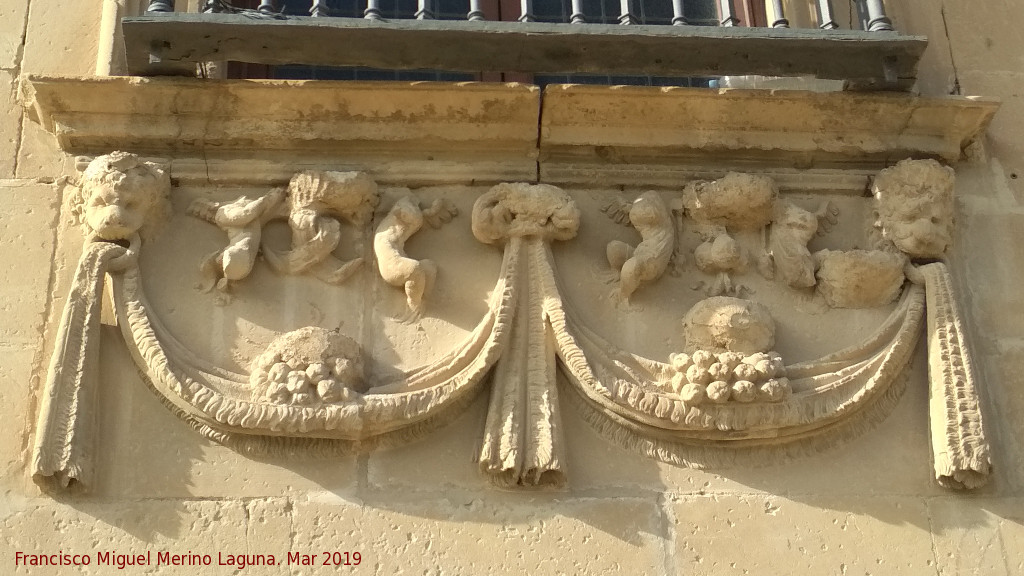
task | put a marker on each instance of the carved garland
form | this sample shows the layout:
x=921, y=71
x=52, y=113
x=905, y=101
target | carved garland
x=728, y=393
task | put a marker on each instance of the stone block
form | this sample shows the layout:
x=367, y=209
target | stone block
x=446, y=457
x=26, y=249
x=1003, y=409
x=268, y=523
x=12, y=32
x=1003, y=136
x=190, y=466
x=16, y=387
x=44, y=526
x=38, y=155
x=989, y=268
x=764, y=534
x=936, y=75
x=978, y=535
x=61, y=37
x=984, y=36
x=10, y=118
x=514, y=534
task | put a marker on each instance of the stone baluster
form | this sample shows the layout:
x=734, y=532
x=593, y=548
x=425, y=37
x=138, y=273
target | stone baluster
x=319, y=9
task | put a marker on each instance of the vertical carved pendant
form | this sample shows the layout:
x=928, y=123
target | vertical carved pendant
x=959, y=448
x=64, y=440
x=522, y=441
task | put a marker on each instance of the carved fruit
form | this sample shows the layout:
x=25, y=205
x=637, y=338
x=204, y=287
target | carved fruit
x=278, y=393
x=719, y=371
x=719, y=392
x=744, y=391
x=697, y=375
x=730, y=359
x=755, y=358
x=678, y=381
x=329, y=390
x=279, y=372
x=703, y=358
x=303, y=398
x=317, y=372
x=765, y=369
x=680, y=362
x=775, y=390
x=346, y=371
x=298, y=382
x=692, y=394
x=746, y=372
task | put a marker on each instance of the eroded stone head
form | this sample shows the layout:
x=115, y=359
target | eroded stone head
x=730, y=324
x=859, y=278
x=737, y=201
x=915, y=206
x=352, y=195
x=119, y=195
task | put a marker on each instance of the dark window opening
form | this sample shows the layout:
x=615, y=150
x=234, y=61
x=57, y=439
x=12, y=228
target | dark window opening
x=650, y=12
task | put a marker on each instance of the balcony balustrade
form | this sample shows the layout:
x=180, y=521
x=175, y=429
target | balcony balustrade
x=653, y=37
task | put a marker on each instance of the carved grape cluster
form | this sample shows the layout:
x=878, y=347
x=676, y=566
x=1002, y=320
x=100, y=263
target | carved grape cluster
x=295, y=382
x=726, y=376
x=308, y=366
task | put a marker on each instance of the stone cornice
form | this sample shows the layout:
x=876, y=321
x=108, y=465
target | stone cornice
x=655, y=125
x=423, y=132
x=490, y=126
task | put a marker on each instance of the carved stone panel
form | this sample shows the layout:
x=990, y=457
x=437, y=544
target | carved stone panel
x=693, y=324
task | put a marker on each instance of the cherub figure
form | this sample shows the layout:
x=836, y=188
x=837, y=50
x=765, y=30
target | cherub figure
x=915, y=207
x=243, y=221
x=792, y=228
x=119, y=195
x=648, y=260
x=396, y=268
x=315, y=199
x=312, y=203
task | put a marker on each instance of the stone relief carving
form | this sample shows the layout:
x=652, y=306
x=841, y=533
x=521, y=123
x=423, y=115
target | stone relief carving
x=307, y=366
x=243, y=221
x=648, y=260
x=914, y=201
x=792, y=228
x=314, y=204
x=859, y=278
x=119, y=199
x=727, y=392
x=728, y=354
x=396, y=268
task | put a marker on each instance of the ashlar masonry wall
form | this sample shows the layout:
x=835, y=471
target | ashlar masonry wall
x=868, y=506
